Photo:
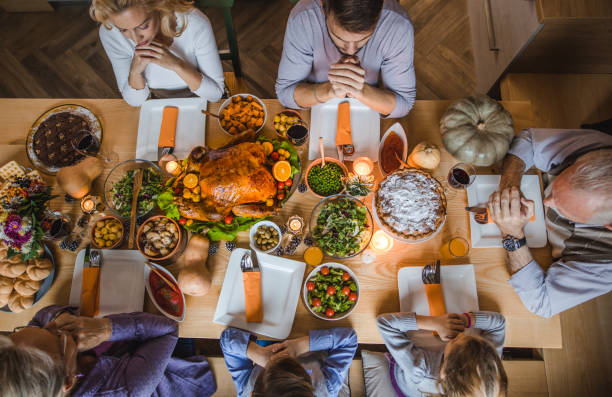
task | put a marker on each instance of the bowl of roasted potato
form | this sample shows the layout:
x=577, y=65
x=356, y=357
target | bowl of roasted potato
x=107, y=233
x=242, y=112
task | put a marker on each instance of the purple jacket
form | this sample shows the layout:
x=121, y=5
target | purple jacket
x=140, y=362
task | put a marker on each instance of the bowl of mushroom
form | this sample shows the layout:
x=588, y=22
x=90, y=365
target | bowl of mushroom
x=158, y=238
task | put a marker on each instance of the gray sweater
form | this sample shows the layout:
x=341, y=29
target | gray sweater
x=418, y=354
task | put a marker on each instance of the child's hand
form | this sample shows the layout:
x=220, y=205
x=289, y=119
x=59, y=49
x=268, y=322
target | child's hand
x=258, y=354
x=448, y=325
x=293, y=347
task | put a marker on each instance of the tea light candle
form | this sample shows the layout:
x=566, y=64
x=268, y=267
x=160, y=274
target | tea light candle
x=173, y=168
x=169, y=163
x=381, y=241
x=363, y=166
x=88, y=204
x=295, y=224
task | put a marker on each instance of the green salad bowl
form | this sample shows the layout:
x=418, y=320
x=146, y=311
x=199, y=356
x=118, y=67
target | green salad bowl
x=341, y=225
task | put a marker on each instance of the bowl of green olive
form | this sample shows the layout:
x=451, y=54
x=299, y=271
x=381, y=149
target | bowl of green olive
x=265, y=236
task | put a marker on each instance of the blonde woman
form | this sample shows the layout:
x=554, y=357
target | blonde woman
x=159, y=48
x=463, y=360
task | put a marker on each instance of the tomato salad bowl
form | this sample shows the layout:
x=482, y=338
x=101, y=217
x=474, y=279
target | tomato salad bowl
x=331, y=291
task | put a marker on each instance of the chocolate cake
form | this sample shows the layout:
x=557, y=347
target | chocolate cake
x=53, y=139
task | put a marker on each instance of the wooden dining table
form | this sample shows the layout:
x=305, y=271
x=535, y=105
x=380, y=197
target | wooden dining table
x=378, y=280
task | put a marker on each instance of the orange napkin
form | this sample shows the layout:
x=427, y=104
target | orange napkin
x=435, y=298
x=490, y=218
x=90, y=292
x=167, y=132
x=343, y=134
x=252, y=296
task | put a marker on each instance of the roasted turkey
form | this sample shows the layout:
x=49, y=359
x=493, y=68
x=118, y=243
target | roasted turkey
x=233, y=179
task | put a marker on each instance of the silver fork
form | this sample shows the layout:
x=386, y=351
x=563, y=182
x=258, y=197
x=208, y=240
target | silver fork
x=245, y=263
x=428, y=274
x=95, y=257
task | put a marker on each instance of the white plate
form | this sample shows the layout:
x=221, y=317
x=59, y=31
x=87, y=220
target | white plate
x=190, y=126
x=147, y=272
x=365, y=129
x=281, y=282
x=399, y=130
x=489, y=236
x=458, y=287
x=121, y=283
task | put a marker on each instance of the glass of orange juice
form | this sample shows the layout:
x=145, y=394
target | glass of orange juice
x=457, y=247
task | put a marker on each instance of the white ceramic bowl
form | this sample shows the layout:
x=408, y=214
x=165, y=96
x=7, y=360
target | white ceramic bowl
x=228, y=100
x=170, y=277
x=254, y=230
x=314, y=271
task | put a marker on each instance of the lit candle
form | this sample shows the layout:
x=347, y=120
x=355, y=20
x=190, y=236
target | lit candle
x=363, y=166
x=295, y=224
x=88, y=204
x=173, y=168
x=381, y=241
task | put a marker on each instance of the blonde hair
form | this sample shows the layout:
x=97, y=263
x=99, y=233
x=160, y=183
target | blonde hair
x=28, y=372
x=101, y=10
x=473, y=368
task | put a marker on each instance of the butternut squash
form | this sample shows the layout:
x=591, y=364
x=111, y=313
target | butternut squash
x=76, y=179
x=194, y=278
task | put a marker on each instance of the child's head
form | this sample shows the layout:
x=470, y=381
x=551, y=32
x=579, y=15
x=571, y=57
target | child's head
x=471, y=367
x=284, y=376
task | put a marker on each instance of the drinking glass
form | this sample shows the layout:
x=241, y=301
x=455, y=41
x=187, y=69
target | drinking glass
x=461, y=176
x=55, y=225
x=297, y=134
x=86, y=143
x=456, y=247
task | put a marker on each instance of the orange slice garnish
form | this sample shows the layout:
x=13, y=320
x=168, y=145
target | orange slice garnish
x=190, y=181
x=281, y=170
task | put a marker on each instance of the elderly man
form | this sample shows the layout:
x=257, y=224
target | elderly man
x=578, y=204
x=338, y=48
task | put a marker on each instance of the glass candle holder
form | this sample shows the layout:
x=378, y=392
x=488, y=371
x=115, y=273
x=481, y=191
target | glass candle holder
x=170, y=164
x=295, y=224
x=381, y=242
x=363, y=166
x=89, y=203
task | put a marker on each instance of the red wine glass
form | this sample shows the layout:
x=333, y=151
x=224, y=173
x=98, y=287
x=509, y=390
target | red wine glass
x=461, y=176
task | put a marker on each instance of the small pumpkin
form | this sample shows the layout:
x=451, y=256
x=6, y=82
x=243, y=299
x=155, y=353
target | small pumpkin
x=477, y=130
x=424, y=155
x=76, y=179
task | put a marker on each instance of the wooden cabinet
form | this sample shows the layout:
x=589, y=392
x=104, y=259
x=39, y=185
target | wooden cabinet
x=546, y=36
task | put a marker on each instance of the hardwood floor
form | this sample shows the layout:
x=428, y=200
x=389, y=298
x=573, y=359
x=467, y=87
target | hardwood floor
x=58, y=54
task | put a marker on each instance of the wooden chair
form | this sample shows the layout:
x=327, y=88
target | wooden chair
x=232, y=52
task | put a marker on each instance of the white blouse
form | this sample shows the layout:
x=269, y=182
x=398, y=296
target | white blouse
x=195, y=45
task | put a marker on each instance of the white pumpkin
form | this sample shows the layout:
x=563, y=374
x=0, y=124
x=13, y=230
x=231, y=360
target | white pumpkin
x=477, y=130
x=424, y=155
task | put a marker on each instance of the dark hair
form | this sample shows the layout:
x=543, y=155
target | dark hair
x=283, y=377
x=356, y=16
x=474, y=368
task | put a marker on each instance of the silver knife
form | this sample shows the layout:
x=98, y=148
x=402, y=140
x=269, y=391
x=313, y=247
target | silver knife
x=86, y=260
x=255, y=261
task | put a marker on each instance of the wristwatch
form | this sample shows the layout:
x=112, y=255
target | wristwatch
x=512, y=243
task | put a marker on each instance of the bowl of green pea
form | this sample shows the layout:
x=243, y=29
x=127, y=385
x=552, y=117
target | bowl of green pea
x=326, y=180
